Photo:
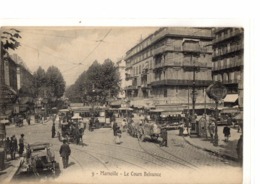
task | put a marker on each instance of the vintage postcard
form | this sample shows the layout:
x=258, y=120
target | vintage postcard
x=114, y=104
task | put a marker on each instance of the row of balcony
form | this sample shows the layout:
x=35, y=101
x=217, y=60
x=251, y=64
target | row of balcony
x=186, y=48
x=169, y=82
x=225, y=51
x=227, y=36
x=229, y=65
x=184, y=64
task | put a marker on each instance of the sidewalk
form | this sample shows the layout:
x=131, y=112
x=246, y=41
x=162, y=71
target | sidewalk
x=11, y=167
x=224, y=149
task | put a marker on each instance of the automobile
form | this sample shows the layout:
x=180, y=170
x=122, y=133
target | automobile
x=39, y=159
x=4, y=120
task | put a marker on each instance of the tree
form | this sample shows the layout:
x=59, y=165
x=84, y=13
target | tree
x=104, y=79
x=9, y=40
x=55, y=82
x=112, y=76
x=39, y=82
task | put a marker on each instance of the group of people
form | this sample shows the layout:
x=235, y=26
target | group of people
x=12, y=146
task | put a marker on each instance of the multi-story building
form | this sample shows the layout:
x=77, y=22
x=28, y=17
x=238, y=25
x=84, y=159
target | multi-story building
x=16, y=85
x=228, y=61
x=165, y=65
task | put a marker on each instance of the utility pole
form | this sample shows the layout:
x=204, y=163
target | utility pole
x=193, y=88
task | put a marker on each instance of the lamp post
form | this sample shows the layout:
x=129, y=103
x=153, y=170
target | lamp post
x=216, y=91
x=194, y=69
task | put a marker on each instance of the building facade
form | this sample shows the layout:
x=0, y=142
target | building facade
x=16, y=86
x=228, y=61
x=165, y=65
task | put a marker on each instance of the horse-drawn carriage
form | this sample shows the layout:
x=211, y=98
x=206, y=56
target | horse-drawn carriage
x=72, y=130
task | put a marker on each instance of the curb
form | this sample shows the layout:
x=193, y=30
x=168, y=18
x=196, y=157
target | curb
x=13, y=171
x=225, y=156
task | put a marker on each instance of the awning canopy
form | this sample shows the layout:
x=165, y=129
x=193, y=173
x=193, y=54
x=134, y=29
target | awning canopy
x=156, y=110
x=229, y=110
x=231, y=98
x=167, y=113
x=125, y=109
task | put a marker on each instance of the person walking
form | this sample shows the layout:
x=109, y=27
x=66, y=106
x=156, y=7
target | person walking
x=91, y=123
x=240, y=149
x=13, y=147
x=114, y=129
x=118, y=135
x=164, y=135
x=29, y=119
x=226, y=132
x=7, y=147
x=53, y=130
x=21, y=145
x=65, y=152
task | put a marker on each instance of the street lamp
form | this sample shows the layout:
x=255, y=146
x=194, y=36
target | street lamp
x=216, y=91
x=194, y=68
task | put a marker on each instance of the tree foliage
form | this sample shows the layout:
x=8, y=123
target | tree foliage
x=9, y=40
x=103, y=78
x=55, y=82
x=50, y=83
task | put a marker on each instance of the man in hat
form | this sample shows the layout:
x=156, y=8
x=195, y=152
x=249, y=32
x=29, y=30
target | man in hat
x=65, y=153
x=164, y=135
x=53, y=130
x=13, y=147
x=21, y=145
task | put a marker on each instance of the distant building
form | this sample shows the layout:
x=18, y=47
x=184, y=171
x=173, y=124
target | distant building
x=161, y=66
x=228, y=62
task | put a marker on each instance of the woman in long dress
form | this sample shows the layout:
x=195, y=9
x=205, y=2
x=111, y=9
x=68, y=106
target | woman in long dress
x=118, y=135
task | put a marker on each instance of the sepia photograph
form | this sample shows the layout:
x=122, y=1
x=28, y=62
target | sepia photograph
x=121, y=104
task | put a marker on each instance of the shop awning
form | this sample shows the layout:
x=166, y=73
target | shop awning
x=167, y=113
x=231, y=98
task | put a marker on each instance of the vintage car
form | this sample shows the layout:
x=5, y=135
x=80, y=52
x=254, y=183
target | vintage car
x=39, y=159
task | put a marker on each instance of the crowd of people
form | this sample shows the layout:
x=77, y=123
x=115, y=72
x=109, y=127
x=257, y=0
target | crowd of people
x=14, y=147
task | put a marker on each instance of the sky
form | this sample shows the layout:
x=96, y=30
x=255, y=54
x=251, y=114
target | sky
x=73, y=49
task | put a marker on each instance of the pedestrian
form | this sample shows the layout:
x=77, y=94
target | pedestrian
x=118, y=135
x=212, y=129
x=123, y=124
x=226, y=132
x=29, y=120
x=114, y=129
x=77, y=135
x=7, y=147
x=90, y=125
x=21, y=145
x=53, y=130
x=65, y=152
x=240, y=149
x=164, y=135
x=28, y=154
x=13, y=147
